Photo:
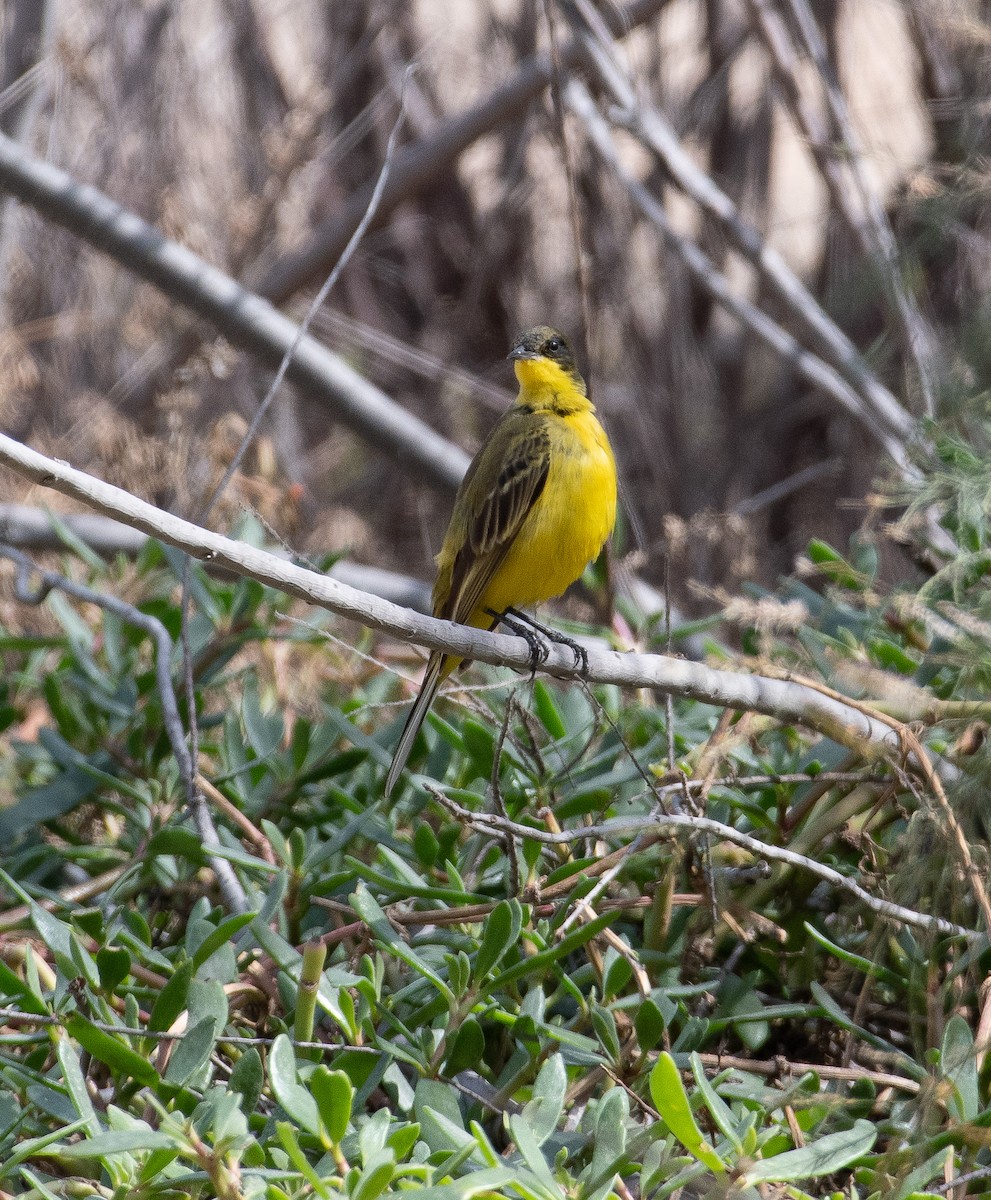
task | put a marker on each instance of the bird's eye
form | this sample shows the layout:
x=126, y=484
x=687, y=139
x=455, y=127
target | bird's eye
x=552, y=345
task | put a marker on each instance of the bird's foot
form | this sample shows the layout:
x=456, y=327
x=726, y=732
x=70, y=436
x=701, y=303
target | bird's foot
x=521, y=625
x=537, y=636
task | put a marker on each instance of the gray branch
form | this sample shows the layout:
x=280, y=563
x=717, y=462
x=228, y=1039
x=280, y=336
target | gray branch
x=782, y=699
x=655, y=132
x=244, y=318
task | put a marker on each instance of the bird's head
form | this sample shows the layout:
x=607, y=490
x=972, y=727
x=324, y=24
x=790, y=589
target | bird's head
x=543, y=360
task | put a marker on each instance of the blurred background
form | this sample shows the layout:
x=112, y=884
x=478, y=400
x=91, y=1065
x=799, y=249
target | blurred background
x=253, y=130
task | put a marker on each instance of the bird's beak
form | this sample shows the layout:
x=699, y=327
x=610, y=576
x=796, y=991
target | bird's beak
x=520, y=353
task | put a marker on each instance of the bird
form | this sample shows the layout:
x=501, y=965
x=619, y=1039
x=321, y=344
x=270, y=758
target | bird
x=536, y=506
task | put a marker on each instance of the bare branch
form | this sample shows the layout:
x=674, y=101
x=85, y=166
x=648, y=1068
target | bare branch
x=859, y=205
x=652, y=128
x=247, y=320
x=659, y=822
x=701, y=267
x=846, y=723
x=30, y=528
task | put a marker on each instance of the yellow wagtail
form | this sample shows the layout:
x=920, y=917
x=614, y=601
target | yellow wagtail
x=535, y=507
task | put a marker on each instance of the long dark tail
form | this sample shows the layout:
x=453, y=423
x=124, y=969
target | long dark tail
x=431, y=682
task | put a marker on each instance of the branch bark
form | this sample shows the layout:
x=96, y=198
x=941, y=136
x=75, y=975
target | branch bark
x=656, y=134
x=245, y=318
x=784, y=700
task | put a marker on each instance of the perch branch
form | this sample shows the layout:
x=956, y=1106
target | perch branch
x=778, y=698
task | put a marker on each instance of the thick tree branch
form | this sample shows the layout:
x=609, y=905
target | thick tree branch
x=30, y=528
x=247, y=320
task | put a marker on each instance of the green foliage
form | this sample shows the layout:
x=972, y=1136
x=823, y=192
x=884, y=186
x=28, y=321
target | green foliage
x=408, y=1006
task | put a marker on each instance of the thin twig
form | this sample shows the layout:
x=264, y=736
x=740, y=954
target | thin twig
x=497, y=827
x=14, y=1016
x=778, y=1067
x=317, y=303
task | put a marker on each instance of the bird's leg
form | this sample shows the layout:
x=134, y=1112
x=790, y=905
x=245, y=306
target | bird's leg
x=517, y=623
x=521, y=621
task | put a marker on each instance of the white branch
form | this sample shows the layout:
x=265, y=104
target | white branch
x=496, y=826
x=782, y=699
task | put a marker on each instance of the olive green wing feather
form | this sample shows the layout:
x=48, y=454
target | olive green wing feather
x=503, y=487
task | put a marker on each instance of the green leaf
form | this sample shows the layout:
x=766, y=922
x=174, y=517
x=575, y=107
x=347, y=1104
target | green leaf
x=191, y=1052
x=616, y=975
x=532, y=1155
x=425, y=844
x=720, y=1110
x=11, y=985
x=334, y=1096
x=290, y=1143
x=103, y=1046
x=649, y=1023
x=114, y=965
x=365, y=905
x=69, y=538
x=604, y=1024
x=543, y=1112
x=293, y=1097
x=375, y=1177
x=609, y=1145
x=959, y=1064
x=671, y=1101
x=555, y=954
x=119, y=1141
x=822, y=1157
x=264, y=731
x=546, y=710
x=75, y=1083
x=248, y=1078
x=183, y=843
x=857, y=961
x=502, y=930
x=467, y=1047
x=221, y=936
x=171, y=1000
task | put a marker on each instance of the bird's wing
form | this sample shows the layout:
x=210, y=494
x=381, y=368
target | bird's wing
x=509, y=478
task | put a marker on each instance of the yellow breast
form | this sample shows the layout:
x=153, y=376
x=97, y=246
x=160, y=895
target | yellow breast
x=567, y=526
